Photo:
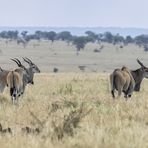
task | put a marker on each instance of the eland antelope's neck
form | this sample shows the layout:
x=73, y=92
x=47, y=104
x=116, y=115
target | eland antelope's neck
x=30, y=75
x=138, y=75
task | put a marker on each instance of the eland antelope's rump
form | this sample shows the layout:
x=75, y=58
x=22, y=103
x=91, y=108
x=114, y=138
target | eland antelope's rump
x=122, y=81
x=14, y=82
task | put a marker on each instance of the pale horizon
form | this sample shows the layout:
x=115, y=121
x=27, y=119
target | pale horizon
x=74, y=27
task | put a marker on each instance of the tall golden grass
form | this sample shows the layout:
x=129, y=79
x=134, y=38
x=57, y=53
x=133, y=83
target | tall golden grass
x=74, y=110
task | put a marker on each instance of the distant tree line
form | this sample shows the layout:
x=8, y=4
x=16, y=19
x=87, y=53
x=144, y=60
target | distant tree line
x=78, y=41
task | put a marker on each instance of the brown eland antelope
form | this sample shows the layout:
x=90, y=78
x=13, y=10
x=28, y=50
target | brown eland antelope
x=31, y=70
x=122, y=80
x=15, y=83
x=138, y=75
x=23, y=72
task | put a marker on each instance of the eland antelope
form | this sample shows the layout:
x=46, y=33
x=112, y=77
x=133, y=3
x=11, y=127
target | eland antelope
x=15, y=83
x=123, y=81
x=23, y=72
x=138, y=75
x=26, y=73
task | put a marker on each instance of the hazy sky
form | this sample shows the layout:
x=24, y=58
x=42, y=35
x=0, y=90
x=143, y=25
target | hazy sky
x=85, y=13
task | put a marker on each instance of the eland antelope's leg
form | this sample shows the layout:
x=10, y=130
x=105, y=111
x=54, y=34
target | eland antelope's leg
x=13, y=100
x=113, y=94
x=119, y=92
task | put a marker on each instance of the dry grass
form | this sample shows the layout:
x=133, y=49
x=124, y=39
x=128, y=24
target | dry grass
x=74, y=110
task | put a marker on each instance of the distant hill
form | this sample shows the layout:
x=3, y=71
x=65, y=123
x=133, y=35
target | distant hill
x=81, y=30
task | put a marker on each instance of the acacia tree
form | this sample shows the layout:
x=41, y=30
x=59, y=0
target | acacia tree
x=80, y=42
x=92, y=36
x=108, y=37
x=128, y=39
x=9, y=34
x=51, y=36
x=141, y=40
x=64, y=35
x=24, y=34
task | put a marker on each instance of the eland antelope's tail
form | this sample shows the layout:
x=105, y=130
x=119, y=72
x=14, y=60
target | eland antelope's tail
x=14, y=82
x=112, y=85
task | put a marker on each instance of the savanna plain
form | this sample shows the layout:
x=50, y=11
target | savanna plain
x=73, y=107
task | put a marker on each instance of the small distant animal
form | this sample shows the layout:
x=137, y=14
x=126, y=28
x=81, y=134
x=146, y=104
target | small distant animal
x=82, y=67
x=55, y=69
x=22, y=41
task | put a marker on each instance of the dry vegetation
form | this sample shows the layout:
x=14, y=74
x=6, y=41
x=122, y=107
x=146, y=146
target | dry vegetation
x=74, y=110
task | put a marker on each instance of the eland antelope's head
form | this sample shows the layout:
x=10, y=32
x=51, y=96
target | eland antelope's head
x=33, y=66
x=144, y=69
